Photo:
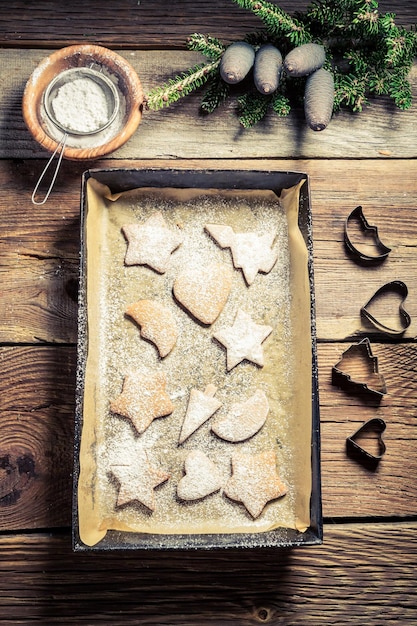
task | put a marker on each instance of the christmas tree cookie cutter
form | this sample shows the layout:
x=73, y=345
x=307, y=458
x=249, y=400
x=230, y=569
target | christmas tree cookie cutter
x=357, y=362
x=382, y=251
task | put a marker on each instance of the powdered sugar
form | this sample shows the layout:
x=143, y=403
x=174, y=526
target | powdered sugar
x=81, y=105
x=195, y=361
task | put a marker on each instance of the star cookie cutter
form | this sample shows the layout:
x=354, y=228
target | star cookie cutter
x=396, y=286
x=383, y=251
x=375, y=426
x=359, y=353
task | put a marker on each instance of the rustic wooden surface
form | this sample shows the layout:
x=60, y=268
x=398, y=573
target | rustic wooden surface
x=364, y=572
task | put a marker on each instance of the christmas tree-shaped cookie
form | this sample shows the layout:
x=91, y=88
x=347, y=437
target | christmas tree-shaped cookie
x=201, y=406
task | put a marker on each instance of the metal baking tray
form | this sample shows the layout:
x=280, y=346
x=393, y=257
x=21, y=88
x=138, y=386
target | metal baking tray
x=123, y=180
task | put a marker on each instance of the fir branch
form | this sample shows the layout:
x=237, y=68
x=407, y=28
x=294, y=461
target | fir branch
x=180, y=86
x=368, y=54
x=350, y=91
x=252, y=108
x=207, y=45
x=278, y=23
x=400, y=91
x=216, y=93
x=280, y=104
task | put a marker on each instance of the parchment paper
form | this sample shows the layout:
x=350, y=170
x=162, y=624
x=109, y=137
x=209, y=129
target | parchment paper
x=280, y=299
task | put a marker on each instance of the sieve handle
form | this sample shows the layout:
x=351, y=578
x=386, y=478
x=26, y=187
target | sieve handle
x=61, y=145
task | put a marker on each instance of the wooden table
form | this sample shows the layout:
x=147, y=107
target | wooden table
x=364, y=573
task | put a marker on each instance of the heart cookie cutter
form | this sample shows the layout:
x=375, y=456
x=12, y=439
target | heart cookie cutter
x=362, y=350
x=377, y=426
x=382, y=251
x=396, y=286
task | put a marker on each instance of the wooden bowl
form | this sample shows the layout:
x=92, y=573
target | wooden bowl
x=93, y=146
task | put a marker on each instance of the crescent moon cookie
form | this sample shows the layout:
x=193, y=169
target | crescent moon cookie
x=244, y=419
x=204, y=291
x=202, y=477
x=254, y=481
x=252, y=253
x=243, y=340
x=157, y=324
x=201, y=406
x=143, y=399
x=151, y=243
x=137, y=482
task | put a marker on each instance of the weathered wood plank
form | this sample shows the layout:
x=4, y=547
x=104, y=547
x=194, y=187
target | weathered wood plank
x=140, y=24
x=363, y=574
x=40, y=245
x=36, y=437
x=180, y=131
x=37, y=389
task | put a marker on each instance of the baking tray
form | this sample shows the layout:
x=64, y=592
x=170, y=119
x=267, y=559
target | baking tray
x=128, y=181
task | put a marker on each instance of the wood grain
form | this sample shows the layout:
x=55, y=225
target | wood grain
x=180, y=131
x=363, y=574
x=140, y=24
x=39, y=254
x=37, y=391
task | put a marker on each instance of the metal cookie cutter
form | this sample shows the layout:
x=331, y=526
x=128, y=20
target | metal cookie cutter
x=396, y=286
x=375, y=426
x=359, y=353
x=382, y=250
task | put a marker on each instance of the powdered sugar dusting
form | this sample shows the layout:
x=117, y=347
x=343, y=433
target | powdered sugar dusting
x=196, y=361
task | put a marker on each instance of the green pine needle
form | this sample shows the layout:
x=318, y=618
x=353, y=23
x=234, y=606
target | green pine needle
x=252, y=108
x=278, y=23
x=209, y=46
x=367, y=52
x=216, y=93
x=180, y=86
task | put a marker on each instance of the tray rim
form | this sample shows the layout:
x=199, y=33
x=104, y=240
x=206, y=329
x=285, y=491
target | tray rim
x=278, y=538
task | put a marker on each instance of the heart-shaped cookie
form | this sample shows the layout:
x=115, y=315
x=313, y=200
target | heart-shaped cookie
x=203, y=291
x=202, y=477
x=369, y=435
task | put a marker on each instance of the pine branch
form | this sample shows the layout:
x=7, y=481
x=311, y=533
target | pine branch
x=277, y=22
x=216, y=93
x=207, y=45
x=252, y=108
x=180, y=86
x=368, y=54
x=280, y=104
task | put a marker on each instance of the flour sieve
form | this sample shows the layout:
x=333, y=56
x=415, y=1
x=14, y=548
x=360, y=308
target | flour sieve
x=81, y=102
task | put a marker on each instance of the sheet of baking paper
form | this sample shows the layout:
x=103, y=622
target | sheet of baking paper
x=280, y=298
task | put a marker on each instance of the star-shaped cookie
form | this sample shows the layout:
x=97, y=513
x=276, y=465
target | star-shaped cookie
x=137, y=482
x=252, y=253
x=143, y=399
x=151, y=243
x=254, y=480
x=243, y=340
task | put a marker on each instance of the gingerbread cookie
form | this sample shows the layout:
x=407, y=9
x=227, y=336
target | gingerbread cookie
x=243, y=340
x=254, y=480
x=201, y=406
x=252, y=253
x=204, y=291
x=244, y=419
x=143, y=399
x=137, y=482
x=157, y=324
x=202, y=477
x=151, y=243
